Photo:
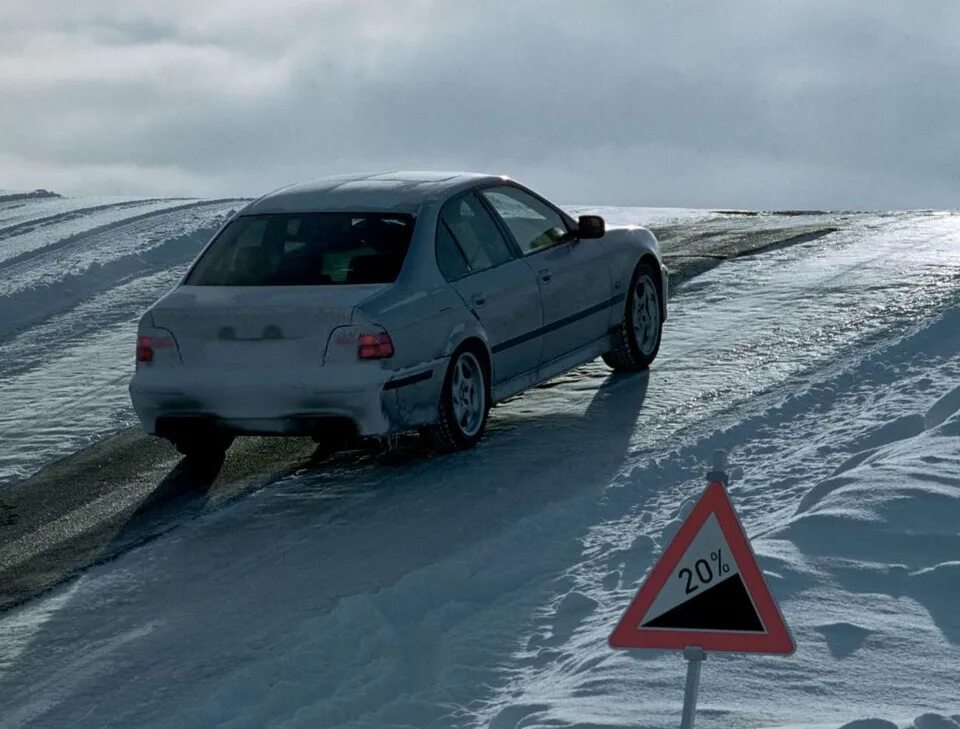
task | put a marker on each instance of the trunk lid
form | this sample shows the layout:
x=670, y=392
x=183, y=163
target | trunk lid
x=257, y=326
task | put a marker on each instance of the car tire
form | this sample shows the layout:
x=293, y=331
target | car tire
x=464, y=404
x=637, y=340
x=202, y=446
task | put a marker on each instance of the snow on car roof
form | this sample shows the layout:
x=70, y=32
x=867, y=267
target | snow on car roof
x=385, y=191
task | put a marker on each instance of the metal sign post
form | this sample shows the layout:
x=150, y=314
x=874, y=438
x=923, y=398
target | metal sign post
x=695, y=657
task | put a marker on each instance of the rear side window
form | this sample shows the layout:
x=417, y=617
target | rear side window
x=450, y=258
x=306, y=249
x=465, y=227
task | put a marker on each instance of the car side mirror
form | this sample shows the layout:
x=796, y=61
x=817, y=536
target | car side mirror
x=591, y=226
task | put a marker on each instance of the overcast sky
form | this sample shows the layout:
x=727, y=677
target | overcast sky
x=766, y=104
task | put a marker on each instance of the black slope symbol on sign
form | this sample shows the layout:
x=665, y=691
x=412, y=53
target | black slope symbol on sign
x=726, y=606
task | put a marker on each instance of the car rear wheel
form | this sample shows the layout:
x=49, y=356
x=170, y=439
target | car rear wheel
x=202, y=446
x=464, y=405
x=637, y=341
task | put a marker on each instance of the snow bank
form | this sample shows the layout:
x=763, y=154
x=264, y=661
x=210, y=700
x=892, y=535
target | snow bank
x=892, y=521
x=888, y=523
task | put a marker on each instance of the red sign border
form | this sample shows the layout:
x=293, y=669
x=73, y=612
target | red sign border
x=776, y=639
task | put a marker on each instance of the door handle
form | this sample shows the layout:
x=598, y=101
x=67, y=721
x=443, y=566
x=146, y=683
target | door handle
x=478, y=299
x=545, y=274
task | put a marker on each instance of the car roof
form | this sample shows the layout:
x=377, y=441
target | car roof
x=380, y=192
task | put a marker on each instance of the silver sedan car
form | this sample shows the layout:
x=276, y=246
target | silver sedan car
x=368, y=305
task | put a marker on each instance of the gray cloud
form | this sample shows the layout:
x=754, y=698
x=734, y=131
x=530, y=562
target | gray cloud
x=748, y=104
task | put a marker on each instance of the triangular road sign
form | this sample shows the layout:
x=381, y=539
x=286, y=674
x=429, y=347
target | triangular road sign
x=706, y=590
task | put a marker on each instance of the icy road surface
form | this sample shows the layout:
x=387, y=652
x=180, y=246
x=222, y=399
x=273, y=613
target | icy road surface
x=478, y=589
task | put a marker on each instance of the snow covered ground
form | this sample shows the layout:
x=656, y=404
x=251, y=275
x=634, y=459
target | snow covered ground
x=478, y=589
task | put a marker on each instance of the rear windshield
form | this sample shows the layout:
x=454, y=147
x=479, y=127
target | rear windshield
x=306, y=249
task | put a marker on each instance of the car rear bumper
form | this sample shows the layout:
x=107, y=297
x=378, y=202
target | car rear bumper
x=361, y=400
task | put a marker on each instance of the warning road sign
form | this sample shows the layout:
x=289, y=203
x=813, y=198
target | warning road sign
x=707, y=590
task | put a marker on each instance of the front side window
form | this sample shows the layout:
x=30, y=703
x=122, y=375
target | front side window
x=534, y=224
x=474, y=235
x=306, y=249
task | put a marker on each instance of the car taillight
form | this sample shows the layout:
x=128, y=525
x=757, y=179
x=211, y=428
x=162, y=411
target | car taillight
x=146, y=345
x=375, y=346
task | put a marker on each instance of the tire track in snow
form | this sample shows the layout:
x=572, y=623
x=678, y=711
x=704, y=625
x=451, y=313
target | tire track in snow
x=35, y=242
x=59, y=407
x=29, y=226
x=33, y=202
x=51, y=405
x=14, y=264
x=61, y=376
x=123, y=303
x=86, y=265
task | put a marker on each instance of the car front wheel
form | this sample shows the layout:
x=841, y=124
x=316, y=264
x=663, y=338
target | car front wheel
x=464, y=405
x=637, y=340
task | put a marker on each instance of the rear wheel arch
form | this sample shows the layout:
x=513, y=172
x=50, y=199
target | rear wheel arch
x=479, y=348
x=447, y=434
